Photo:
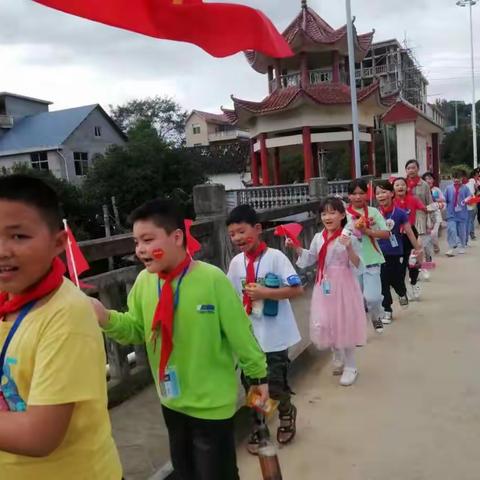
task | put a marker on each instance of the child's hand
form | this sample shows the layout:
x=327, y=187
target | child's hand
x=256, y=291
x=289, y=243
x=101, y=312
x=260, y=391
x=345, y=241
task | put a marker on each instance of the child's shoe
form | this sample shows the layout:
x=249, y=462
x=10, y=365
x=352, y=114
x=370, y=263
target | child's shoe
x=403, y=301
x=461, y=251
x=349, y=377
x=377, y=325
x=387, y=318
x=416, y=290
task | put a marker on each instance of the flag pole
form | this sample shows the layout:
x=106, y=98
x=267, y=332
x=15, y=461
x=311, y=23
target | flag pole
x=69, y=243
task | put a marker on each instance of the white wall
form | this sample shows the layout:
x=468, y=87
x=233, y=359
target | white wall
x=232, y=181
x=422, y=152
x=406, y=144
x=55, y=163
x=192, y=139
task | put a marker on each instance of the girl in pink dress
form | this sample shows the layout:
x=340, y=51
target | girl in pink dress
x=337, y=315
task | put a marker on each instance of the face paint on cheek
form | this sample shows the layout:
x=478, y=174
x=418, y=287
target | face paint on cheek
x=158, y=254
x=250, y=240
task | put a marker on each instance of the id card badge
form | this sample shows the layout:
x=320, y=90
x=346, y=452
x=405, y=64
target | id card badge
x=393, y=241
x=326, y=287
x=169, y=387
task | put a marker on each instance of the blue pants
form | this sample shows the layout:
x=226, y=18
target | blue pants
x=371, y=284
x=457, y=233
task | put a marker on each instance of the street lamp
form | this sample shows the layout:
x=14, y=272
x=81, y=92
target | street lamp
x=471, y=3
x=353, y=89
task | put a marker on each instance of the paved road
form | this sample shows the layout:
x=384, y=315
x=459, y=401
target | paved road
x=415, y=412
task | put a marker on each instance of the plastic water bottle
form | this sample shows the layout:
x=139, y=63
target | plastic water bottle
x=267, y=455
x=270, y=307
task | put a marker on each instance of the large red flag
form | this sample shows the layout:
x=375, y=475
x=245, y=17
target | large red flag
x=76, y=262
x=221, y=29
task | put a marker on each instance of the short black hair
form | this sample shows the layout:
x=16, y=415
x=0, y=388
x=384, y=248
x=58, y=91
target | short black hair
x=413, y=160
x=164, y=213
x=428, y=175
x=459, y=173
x=35, y=193
x=357, y=183
x=385, y=185
x=243, y=214
x=335, y=204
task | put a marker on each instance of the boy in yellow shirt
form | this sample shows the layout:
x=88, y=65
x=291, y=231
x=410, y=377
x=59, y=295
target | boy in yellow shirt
x=54, y=421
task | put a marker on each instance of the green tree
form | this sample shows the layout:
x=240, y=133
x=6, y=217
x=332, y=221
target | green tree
x=457, y=147
x=163, y=113
x=146, y=168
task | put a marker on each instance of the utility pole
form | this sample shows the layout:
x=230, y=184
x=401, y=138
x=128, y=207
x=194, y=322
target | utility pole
x=353, y=90
x=471, y=3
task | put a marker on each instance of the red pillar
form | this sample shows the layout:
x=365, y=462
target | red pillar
x=276, y=167
x=436, y=157
x=264, y=160
x=254, y=163
x=371, y=153
x=316, y=169
x=336, y=67
x=353, y=172
x=307, y=152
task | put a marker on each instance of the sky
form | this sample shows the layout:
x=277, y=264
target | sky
x=72, y=61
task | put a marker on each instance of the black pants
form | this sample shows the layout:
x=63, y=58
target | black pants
x=201, y=449
x=277, y=363
x=407, y=250
x=393, y=276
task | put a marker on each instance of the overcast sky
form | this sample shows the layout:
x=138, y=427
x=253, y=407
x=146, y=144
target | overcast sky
x=71, y=61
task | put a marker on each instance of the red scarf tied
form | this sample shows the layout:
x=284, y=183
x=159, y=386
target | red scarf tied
x=47, y=285
x=368, y=223
x=251, y=277
x=164, y=314
x=322, y=255
x=457, y=194
x=387, y=210
x=413, y=183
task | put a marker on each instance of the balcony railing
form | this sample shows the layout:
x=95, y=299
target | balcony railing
x=378, y=70
x=227, y=135
x=6, y=121
x=317, y=76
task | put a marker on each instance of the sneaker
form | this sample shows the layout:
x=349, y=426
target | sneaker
x=403, y=301
x=473, y=238
x=461, y=251
x=416, y=292
x=450, y=253
x=377, y=325
x=387, y=318
x=349, y=377
x=337, y=368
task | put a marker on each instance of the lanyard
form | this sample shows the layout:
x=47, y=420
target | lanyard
x=23, y=313
x=176, y=297
x=258, y=265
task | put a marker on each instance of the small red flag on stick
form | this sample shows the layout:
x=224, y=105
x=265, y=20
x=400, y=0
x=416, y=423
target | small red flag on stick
x=221, y=29
x=193, y=245
x=473, y=200
x=76, y=262
x=291, y=231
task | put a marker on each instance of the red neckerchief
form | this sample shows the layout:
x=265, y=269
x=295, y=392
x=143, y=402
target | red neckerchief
x=322, y=254
x=47, y=285
x=357, y=216
x=457, y=194
x=412, y=183
x=387, y=210
x=252, y=257
x=165, y=312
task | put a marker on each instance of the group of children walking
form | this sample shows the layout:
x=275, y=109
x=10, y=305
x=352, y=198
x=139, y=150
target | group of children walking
x=198, y=324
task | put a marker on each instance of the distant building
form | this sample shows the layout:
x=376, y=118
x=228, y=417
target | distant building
x=63, y=141
x=203, y=129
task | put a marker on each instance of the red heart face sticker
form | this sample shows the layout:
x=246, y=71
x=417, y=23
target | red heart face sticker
x=158, y=254
x=250, y=240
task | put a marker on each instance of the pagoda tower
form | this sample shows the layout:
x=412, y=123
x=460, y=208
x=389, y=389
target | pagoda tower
x=308, y=106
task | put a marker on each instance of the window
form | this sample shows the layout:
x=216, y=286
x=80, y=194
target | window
x=81, y=163
x=98, y=131
x=196, y=128
x=39, y=160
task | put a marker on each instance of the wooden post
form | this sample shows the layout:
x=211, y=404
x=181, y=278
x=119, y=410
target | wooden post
x=254, y=163
x=264, y=160
x=108, y=232
x=278, y=74
x=307, y=153
x=115, y=212
x=276, y=166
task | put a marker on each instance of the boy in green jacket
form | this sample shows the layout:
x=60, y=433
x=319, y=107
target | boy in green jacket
x=194, y=327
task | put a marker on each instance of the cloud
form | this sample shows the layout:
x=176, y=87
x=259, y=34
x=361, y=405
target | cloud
x=71, y=61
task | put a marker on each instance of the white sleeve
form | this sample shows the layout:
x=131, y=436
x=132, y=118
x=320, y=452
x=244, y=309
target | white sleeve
x=357, y=248
x=310, y=257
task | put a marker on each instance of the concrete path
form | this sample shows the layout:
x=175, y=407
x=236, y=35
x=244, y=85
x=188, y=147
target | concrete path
x=413, y=415
x=415, y=412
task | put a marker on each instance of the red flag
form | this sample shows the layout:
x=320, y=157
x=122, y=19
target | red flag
x=370, y=193
x=76, y=262
x=193, y=245
x=473, y=200
x=291, y=231
x=220, y=29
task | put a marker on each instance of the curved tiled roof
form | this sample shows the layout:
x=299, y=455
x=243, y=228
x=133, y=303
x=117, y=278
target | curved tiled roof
x=212, y=117
x=324, y=94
